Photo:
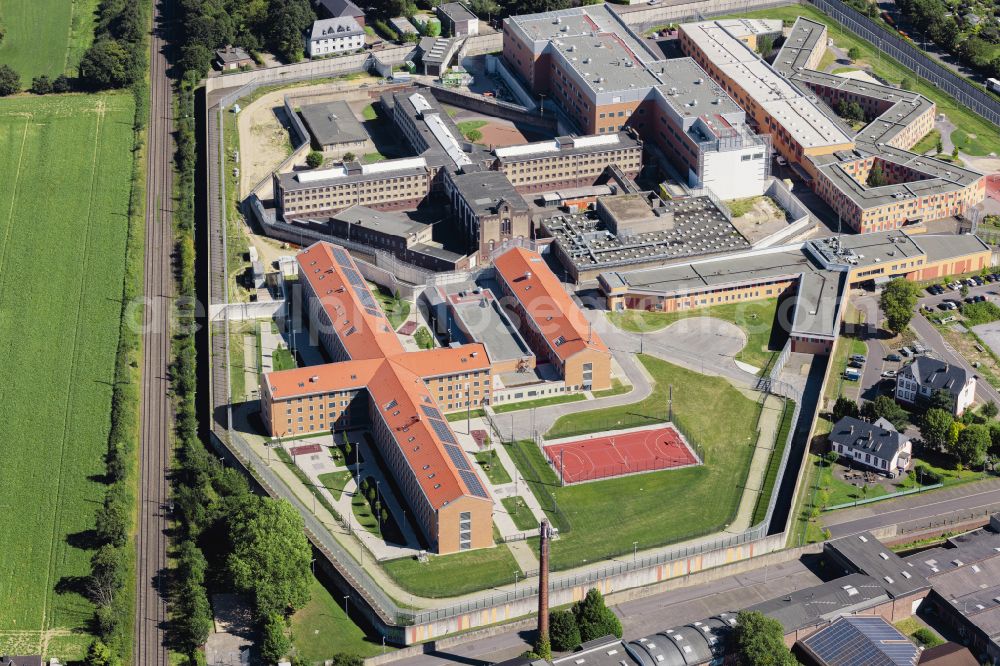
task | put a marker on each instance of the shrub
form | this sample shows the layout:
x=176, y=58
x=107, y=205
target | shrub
x=563, y=632
x=10, y=81
x=927, y=638
x=41, y=85
x=314, y=159
x=274, y=641
x=594, y=618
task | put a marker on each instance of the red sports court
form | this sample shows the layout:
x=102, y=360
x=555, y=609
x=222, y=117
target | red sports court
x=621, y=453
x=305, y=449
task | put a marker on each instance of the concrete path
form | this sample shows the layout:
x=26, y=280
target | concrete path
x=251, y=378
x=770, y=421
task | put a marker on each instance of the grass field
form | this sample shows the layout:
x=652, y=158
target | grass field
x=774, y=463
x=519, y=512
x=321, y=629
x=45, y=36
x=540, y=402
x=606, y=517
x=495, y=472
x=928, y=142
x=756, y=318
x=335, y=482
x=65, y=167
x=455, y=574
x=617, y=388
x=890, y=70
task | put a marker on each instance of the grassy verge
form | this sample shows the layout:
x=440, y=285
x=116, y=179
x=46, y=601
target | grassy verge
x=322, y=629
x=928, y=142
x=335, y=482
x=282, y=359
x=774, y=463
x=988, y=139
x=519, y=512
x=541, y=402
x=462, y=415
x=617, y=388
x=492, y=467
x=397, y=310
x=423, y=338
x=755, y=318
x=455, y=574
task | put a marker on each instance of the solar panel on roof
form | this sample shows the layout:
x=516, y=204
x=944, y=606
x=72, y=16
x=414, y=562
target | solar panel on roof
x=457, y=456
x=473, y=483
x=862, y=640
x=431, y=412
x=443, y=431
x=342, y=257
x=365, y=297
x=354, y=278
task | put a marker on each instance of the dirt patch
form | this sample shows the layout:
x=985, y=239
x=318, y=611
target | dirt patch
x=265, y=139
x=497, y=135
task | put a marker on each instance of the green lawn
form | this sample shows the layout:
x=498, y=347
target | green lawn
x=606, y=517
x=467, y=126
x=492, y=467
x=363, y=514
x=755, y=318
x=45, y=36
x=774, y=463
x=455, y=574
x=282, y=359
x=928, y=142
x=396, y=310
x=462, y=415
x=335, y=482
x=371, y=158
x=541, y=402
x=423, y=338
x=975, y=144
x=369, y=112
x=321, y=628
x=65, y=168
x=519, y=512
x=617, y=388
x=890, y=70
x=237, y=376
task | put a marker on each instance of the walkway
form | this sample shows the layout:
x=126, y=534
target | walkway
x=770, y=421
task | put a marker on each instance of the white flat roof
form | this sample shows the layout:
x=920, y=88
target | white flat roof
x=552, y=145
x=386, y=166
x=798, y=114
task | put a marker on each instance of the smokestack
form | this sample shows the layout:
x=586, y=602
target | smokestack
x=543, y=583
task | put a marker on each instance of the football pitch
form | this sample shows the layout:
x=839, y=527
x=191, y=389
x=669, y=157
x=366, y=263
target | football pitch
x=45, y=36
x=65, y=167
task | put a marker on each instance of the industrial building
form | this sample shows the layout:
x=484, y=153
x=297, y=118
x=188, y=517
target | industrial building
x=334, y=129
x=606, y=79
x=400, y=395
x=639, y=231
x=457, y=20
x=793, y=104
x=818, y=271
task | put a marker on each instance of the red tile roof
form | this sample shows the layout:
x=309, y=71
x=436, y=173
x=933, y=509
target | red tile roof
x=393, y=377
x=556, y=316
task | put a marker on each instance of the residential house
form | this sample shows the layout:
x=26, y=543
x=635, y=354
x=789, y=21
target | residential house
x=232, y=58
x=921, y=379
x=336, y=35
x=876, y=445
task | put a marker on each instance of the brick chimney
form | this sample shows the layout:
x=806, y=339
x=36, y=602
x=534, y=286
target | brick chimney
x=543, y=581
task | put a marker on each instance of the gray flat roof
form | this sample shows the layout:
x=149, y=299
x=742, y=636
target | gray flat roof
x=332, y=122
x=817, y=304
x=699, y=228
x=802, y=39
x=389, y=223
x=483, y=190
x=943, y=246
x=864, y=249
x=867, y=555
x=456, y=11
x=825, y=602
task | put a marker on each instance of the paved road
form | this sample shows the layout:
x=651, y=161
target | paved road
x=917, y=510
x=154, y=443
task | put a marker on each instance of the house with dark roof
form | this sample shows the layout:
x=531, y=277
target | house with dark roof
x=457, y=20
x=338, y=9
x=876, y=445
x=921, y=379
x=343, y=34
x=857, y=640
x=231, y=58
x=32, y=660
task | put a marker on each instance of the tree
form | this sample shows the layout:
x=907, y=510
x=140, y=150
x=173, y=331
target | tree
x=474, y=135
x=99, y=654
x=897, y=301
x=972, y=445
x=113, y=518
x=765, y=44
x=854, y=53
x=288, y=21
x=349, y=156
x=954, y=152
x=831, y=457
x=543, y=648
x=108, y=573
x=989, y=409
x=942, y=399
x=10, y=81
x=936, y=426
x=906, y=84
x=270, y=555
x=938, y=147
x=563, y=632
x=314, y=159
x=61, y=84
x=760, y=641
x=41, y=85
x=191, y=614
x=432, y=28
x=106, y=64
x=876, y=177
x=274, y=641
x=844, y=407
x=594, y=618
x=954, y=431
x=884, y=407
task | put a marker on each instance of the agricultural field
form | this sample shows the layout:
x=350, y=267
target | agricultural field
x=65, y=167
x=45, y=36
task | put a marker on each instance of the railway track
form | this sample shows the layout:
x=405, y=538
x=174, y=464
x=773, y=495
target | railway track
x=156, y=412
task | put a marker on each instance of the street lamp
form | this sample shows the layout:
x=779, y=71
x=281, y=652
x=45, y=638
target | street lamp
x=635, y=551
x=515, y=581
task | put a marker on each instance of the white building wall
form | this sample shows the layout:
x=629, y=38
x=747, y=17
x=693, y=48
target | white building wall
x=335, y=44
x=966, y=397
x=736, y=174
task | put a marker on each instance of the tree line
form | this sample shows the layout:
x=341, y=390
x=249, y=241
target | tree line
x=937, y=20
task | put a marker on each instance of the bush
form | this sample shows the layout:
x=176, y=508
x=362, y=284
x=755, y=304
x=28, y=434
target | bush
x=41, y=85
x=594, y=618
x=274, y=641
x=927, y=638
x=980, y=313
x=10, y=81
x=314, y=159
x=61, y=84
x=926, y=476
x=854, y=53
x=563, y=632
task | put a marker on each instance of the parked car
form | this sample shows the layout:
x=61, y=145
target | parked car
x=855, y=364
x=969, y=299
x=978, y=279
x=980, y=298
x=990, y=277
x=906, y=352
x=860, y=358
x=934, y=289
x=894, y=357
x=852, y=375
x=955, y=286
x=889, y=373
